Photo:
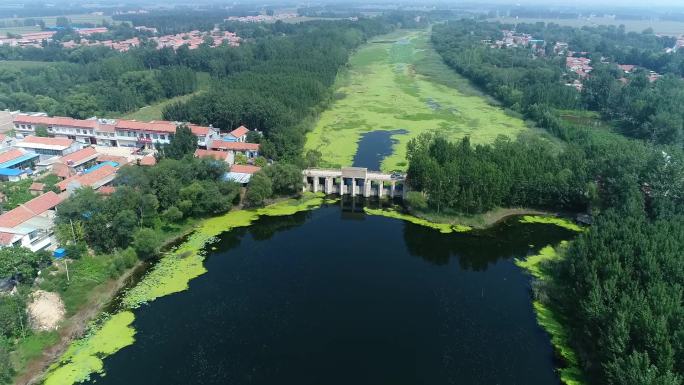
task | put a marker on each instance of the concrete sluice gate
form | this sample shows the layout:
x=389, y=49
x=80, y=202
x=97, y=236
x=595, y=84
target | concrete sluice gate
x=354, y=181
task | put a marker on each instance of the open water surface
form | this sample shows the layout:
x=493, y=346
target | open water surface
x=336, y=297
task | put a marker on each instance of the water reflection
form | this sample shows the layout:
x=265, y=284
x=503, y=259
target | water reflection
x=336, y=297
x=373, y=147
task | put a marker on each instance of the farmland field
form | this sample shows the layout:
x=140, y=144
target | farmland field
x=665, y=27
x=50, y=21
x=399, y=83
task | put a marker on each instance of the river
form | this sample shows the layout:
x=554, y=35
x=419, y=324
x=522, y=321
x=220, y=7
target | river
x=334, y=296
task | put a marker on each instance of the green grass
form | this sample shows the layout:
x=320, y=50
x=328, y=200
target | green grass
x=32, y=347
x=51, y=21
x=674, y=28
x=154, y=111
x=550, y=220
x=85, y=275
x=398, y=81
x=444, y=228
x=18, y=30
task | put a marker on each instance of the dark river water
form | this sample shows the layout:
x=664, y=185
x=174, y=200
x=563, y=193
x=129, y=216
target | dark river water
x=335, y=297
x=373, y=147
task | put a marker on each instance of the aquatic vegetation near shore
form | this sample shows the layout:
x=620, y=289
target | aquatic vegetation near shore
x=548, y=319
x=386, y=88
x=171, y=274
x=442, y=227
x=84, y=357
x=562, y=222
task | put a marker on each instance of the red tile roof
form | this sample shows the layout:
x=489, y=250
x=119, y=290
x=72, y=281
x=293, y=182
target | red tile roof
x=235, y=146
x=199, y=130
x=10, y=155
x=148, y=160
x=62, y=170
x=123, y=124
x=244, y=168
x=49, y=141
x=80, y=156
x=89, y=179
x=15, y=217
x=218, y=155
x=30, y=209
x=6, y=238
x=107, y=190
x=121, y=160
x=240, y=131
x=134, y=125
x=43, y=203
x=55, y=121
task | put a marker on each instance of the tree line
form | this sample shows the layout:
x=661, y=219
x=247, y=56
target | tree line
x=535, y=86
x=619, y=288
x=277, y=83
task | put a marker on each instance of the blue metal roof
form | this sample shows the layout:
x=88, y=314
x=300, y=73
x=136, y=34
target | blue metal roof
x=11, y=172
x=98, y=166
x=19, y=160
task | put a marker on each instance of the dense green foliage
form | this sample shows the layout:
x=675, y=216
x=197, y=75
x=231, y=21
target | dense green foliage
x=536, y=86
x=627, y=278
x=116, y=82
x=143, y=194
x=278, y=82
x=21, y=263
x=620, y=286
x=280, y=179
x=614, y=43
x=525, y=172
x=15, y=193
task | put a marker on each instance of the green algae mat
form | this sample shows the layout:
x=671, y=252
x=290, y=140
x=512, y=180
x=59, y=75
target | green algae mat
x=398, y=82
x=546, y=317
x=171, y=274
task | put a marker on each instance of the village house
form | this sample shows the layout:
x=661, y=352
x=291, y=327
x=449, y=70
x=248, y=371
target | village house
x=110, y=132
x=579, y=65
x=16, y=164
x=47, y=147
x=95, y=177
x=75, y=162
x=241, y=173
x=249, y=150
x=216, y=155
x=237, y=135
x=31, y=224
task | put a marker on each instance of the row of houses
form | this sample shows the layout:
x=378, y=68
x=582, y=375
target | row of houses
x=81, y=164
x=130, y=133
x=36, y=39
x=193, y=39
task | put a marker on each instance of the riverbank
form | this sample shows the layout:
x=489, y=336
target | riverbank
x=94, y=283
x=171, y=274
x=478, y=221
x=537, y=266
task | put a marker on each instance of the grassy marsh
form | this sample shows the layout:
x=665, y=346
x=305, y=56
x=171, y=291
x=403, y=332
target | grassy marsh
x=398, y=81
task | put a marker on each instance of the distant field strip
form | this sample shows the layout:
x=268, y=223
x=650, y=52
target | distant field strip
x=396, y=82
x=664, y=27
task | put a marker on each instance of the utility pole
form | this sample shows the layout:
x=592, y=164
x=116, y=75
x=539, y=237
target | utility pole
x=73, y=233
x=67, y=269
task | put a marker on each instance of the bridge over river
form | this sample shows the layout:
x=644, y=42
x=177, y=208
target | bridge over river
x=354, y=181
